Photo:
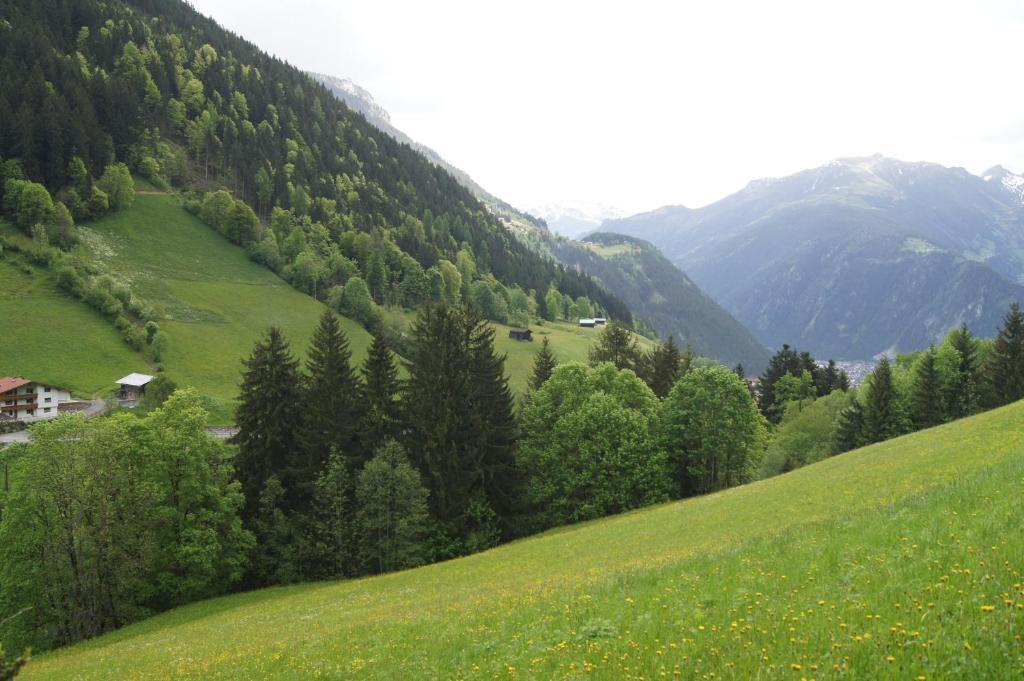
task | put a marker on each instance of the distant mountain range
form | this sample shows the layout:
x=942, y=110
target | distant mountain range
x=855, y=258
x=632, y=270
x=575, y=220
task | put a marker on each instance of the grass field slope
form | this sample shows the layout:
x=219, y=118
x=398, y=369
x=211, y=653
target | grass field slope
x=55, y=339
x=215, y=302
x=569, y=342
x=900, y=560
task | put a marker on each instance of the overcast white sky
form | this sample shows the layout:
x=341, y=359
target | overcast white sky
x=641, y=104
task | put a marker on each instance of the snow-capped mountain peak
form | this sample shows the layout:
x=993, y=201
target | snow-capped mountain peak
x=1011, y=182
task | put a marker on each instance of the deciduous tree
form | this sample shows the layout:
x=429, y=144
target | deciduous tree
x=712, y=431
x=392, y=512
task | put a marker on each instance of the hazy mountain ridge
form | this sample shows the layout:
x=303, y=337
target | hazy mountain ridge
x=801, y=259
x=663, y=296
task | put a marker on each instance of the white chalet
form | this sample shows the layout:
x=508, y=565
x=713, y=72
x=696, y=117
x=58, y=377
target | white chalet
x=24, y=400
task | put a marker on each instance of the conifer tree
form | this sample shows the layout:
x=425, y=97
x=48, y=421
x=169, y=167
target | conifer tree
x=1006, y=366
x=544, y=364
x=785, y=361
x=380, y=391
x=740, y=371
x=850, y=429
x=332, y=404
x=881, y=410
x=964, y=398
x=269, y=418
x=458, y=419
x=392, y=510
x=926, y=399
x=616, y=345
x=832, y=378
x=493, y=406
x=808, y=364
x=665, y=367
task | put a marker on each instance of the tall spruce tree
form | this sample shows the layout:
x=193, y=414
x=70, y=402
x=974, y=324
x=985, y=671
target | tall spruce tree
x=332, y=404
x=458, y=421
x=616, y=345
x=963, y=401
x=882, y=419
x=927, y=404
x=380, y=393
x=544, y=364
x=1006, y=365
x=493, y=406
x=269, y=418
x=664, y=367
x=785, y=361
x=831, y=378
x=850, y=429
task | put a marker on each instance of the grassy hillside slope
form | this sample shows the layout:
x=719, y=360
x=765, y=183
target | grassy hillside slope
x=216, y=303
x=48, y=336
x=900, y=560
x=569, y=342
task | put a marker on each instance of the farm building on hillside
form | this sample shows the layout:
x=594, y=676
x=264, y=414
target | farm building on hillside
x=588, y=323
x=600, y=321
x=25, y=400
x=520, y=334
x=132, y=387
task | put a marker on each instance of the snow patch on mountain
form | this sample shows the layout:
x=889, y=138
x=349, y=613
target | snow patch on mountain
x=1011, y=183
x=1015, y=185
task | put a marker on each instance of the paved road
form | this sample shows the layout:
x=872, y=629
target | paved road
x=16, y=436
x=219, y=432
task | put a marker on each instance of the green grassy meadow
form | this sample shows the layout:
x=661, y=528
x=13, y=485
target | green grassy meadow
x=216, y=303
x=569, y=342
x=49, y=336
x=900, y=560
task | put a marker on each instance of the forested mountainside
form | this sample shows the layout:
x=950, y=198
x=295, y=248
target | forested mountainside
x=654, y=289
x=156, y=85
x=663, y=296
x=857, y=257
x=361, y=100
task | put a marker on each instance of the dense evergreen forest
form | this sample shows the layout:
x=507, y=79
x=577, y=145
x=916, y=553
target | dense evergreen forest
x=312, y=190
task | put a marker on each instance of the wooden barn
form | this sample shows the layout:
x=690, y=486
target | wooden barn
x=132, y=387
x=520, y=334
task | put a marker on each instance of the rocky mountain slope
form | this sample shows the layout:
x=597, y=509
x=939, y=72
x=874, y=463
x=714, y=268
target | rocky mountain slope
x=857, y=257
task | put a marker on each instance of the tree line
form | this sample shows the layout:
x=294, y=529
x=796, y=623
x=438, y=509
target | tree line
x=339, y=471
x=959, y=377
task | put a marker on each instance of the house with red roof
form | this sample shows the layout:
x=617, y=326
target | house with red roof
x=24, y=400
